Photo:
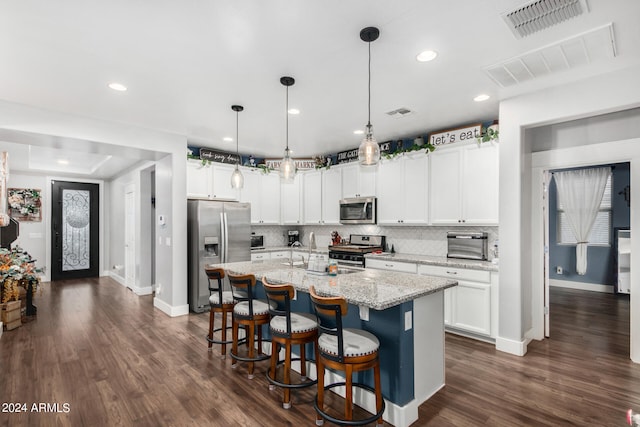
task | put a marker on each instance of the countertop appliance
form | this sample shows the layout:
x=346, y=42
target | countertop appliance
x=257, y=241
x=467, y=245
x=293, y=236
x=353, y=252
x=358, y=210
x=217, y=232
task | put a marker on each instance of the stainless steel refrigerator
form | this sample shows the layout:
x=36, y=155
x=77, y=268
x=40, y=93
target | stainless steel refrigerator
x=218, y=232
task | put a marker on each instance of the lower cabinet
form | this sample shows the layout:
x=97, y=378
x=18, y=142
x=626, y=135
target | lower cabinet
x=470, y=306
x=381, y=264
x=260, y=256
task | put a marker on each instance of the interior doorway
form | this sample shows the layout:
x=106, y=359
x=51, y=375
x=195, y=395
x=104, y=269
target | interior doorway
x=75, y=217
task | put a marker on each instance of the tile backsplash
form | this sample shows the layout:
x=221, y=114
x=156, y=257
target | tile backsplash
x=410, y=240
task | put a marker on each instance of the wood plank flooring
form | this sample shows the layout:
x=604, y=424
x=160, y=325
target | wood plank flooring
x=117, y=361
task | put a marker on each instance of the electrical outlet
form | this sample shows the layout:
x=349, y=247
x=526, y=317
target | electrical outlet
x=558, y=270
x=408, y=320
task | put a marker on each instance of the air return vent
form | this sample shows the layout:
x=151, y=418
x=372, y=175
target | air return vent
x=541, y=14
x=400, y=112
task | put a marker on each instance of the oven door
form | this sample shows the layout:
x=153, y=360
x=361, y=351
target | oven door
x=360, y=210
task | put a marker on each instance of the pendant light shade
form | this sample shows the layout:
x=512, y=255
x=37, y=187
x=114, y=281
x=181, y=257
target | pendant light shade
x=288, y=165
x=237, y=180
x=369, y=150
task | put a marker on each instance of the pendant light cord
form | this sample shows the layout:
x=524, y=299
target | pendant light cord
x=369, y=103
x=287, y=114
x=237, y=142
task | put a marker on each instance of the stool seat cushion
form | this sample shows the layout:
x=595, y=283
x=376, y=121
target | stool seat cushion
x=259, y=307
x=357, y=342
x=227, y=298
x=300, y=322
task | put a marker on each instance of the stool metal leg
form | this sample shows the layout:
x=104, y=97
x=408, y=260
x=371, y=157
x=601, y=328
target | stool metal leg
x=211, y=317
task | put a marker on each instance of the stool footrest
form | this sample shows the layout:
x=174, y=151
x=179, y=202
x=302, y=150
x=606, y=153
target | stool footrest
x=342, y=422
x=215, y=341
x=295, y=385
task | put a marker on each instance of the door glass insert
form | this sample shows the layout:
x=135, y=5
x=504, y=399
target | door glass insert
x=75, y=230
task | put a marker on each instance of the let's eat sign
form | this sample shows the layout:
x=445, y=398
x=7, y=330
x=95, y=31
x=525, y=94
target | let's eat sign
x=451, y=136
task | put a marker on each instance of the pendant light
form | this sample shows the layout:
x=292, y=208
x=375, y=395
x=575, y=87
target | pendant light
x=288, y=165
x=237, y=180
x=369, y=150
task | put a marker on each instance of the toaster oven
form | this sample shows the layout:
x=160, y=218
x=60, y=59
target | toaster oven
x=467, y=245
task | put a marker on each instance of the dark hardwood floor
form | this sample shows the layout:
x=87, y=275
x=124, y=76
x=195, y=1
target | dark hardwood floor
x=116, y=361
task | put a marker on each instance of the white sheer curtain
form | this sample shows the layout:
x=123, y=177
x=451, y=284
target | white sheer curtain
x=580, y=193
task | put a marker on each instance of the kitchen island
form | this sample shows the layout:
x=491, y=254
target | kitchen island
x=405, y=312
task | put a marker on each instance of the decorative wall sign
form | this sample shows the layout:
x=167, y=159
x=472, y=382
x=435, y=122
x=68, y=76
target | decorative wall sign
x=352, y=155
x=218, y=156
x=300, y=163
x=25, y=204
x=451, y=136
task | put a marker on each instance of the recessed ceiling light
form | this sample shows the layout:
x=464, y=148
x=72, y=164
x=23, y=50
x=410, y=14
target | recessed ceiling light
x=227, y=139
x=358, y=132
x=63, y=162
x=427, y=55
x=294, y=111
x=118, y=86
x=481, y=97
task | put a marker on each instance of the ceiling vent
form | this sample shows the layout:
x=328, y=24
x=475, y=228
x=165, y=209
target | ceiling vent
x=587, y=48
x=400, y=112
x=541, y=14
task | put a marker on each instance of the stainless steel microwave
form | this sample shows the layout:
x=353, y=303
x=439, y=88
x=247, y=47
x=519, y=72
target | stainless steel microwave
x=467, y=245
x=358, y=210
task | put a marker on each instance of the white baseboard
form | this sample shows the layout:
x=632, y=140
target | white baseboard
x=117, y=278
x=170, y=310
x=593, y=287
x=138, y=290
x=519, y=348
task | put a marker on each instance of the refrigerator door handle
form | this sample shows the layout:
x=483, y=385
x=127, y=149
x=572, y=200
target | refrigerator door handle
x=226, y=238
x=223, y=238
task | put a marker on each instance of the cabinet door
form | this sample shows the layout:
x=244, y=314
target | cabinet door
x=390, y=191
x=270, y=199
x=199, y=181
x=291, y=201
x=367, y=179
x=350, y=181
x=480, y=184
x=331, y=195
x=222, y=182
x=312, y=197
x=415, y=190
x=250, y=193
x=261, y=256
x=358, y=181
x=444, y=186
x=471, y=307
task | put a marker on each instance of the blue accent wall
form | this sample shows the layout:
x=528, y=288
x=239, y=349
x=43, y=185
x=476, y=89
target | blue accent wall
x=600, y=260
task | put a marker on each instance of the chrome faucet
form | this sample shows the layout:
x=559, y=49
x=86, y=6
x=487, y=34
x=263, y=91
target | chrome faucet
x=295, y=244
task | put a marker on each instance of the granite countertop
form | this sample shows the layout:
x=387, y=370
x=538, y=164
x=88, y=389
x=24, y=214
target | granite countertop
x=435, y=260
x=376, y=289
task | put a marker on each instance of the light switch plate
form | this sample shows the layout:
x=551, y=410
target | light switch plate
x=408, y=320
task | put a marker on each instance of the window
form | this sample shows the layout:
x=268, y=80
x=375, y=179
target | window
x=601, y=231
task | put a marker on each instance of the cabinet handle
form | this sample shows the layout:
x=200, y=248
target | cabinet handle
x=388, y=265
x=452, y=272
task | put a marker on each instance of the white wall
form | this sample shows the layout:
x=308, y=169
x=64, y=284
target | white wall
x=599, y=95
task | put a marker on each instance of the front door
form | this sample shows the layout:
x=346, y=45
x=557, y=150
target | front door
x=74, y=230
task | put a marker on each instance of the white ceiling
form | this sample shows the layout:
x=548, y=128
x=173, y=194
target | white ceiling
x=185, y=63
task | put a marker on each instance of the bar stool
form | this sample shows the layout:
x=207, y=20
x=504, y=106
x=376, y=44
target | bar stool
x=222, y=302
x=251, y=314
x=348, y=350
x=288, y=329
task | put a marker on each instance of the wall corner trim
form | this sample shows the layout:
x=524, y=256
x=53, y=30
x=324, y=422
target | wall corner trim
x=519, y=348
x=170, y=310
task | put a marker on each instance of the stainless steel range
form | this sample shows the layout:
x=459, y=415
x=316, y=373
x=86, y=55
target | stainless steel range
x=353, y=252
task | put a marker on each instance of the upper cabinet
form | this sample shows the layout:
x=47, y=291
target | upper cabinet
x=464, y=185
x=263, y=192
x=210, y=181
x=358, y=181
x=199, y=179
x=402, y=190
x=291, y=201
x=321, y=196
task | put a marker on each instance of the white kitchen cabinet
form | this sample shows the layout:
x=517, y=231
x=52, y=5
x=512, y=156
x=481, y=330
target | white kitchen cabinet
x=199, y=179
x=222, y=182
x=291, y=201
x=383, y=264
x=471, y=306
x=358, y=181
x=260, y=256
x=281, y=255
x=402, y=190
x=263, y=192
x=321, y=196
x=464, y=185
